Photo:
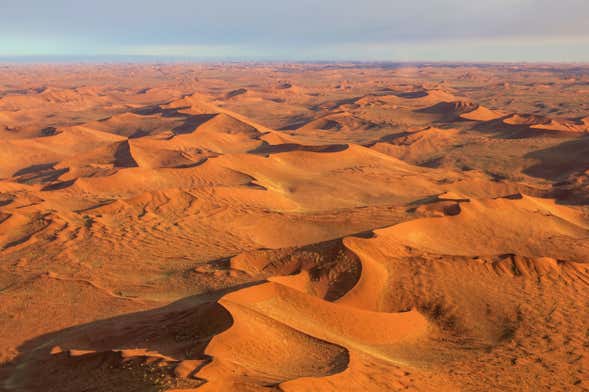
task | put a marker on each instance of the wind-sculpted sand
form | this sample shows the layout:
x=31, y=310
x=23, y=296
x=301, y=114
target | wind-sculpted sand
x=294, y=227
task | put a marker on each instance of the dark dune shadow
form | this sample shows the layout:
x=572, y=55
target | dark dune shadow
x=331, y=125
x=560, y=161
x=502, y=130
x=388, y=138
x=235, y=93
x=328, y=124
x=39, y=174
x=332, y=105
x=295, y=122
x=433, y=163
x=157, y=109
x=267, y=149
x=49, y=131
x=181, y=329
x=190, y=121
x=58, y=185
x=413, y=94
x=34, y=168
x=450, y=108
x=568, y=194
x=424, y=201
x=6, y=199
x=193, y=122
x=123, y=156
x=449, y=111
x=138, y=133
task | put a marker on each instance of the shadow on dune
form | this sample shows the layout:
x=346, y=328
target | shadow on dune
x=560, y=161
x=296, y=122
x=157, y=109
x=39, y=174
x=33, y=169
x=123, y=156
x=267, y=149
x=388, y=138
x=451, y=109
x=565, y=165
x=59, y=185
x=413, y=94
x=190, y=121
x=182, y=330
x=502, y=130
x=235, y=93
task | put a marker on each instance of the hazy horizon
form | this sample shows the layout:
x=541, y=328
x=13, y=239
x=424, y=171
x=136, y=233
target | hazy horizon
x=153, y=59
x=262, y=30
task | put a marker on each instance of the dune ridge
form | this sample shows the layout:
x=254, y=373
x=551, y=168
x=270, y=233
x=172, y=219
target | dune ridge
x=293, y=227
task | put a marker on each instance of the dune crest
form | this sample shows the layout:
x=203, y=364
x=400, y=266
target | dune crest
x=294, y=227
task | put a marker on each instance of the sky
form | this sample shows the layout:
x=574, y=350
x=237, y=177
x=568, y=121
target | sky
x=298, y=30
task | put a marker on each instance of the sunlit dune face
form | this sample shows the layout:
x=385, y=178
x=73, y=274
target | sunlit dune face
x=294, y=227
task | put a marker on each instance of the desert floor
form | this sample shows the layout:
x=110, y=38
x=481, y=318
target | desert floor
x=294, y=227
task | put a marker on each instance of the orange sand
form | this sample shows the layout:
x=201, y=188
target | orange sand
x=294, y=228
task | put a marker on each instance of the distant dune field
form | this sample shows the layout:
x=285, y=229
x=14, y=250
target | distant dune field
x=294, y=227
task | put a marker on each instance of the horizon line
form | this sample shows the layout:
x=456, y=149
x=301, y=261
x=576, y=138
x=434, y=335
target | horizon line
x=154, y=59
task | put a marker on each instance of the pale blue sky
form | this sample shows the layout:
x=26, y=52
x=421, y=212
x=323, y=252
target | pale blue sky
x=411, y=30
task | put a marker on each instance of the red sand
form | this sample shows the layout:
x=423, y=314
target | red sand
x=242, y=228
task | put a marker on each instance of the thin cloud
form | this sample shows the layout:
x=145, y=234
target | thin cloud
x=274, y=28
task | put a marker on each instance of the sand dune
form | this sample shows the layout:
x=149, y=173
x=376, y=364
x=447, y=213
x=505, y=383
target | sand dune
x=293, y=227
x=425, y=95
x=501, y=226
x=340, y=122
x=544, y=123
x=420, y=146
x=311, y=317
x=481, y=113
x=135, y=125
x=453, y=108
